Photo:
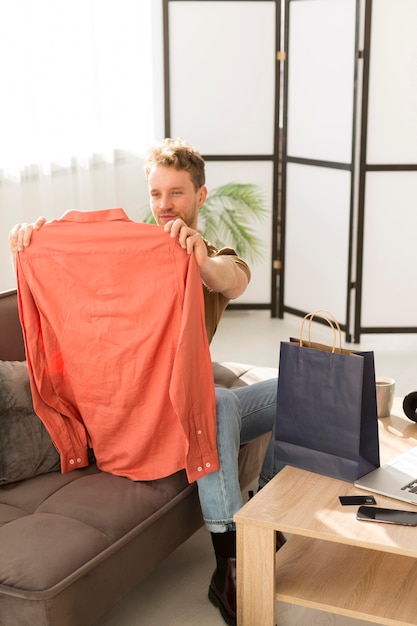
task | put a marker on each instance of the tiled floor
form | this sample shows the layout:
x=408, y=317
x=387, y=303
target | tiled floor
x=176, y=593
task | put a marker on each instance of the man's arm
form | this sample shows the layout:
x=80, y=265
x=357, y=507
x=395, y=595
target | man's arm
x=223, y=274
x=220, y=273
x=20, y=236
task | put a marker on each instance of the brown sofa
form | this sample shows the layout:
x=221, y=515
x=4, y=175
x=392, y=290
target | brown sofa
x=73, y=545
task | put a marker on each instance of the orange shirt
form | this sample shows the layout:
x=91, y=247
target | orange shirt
x=113, y=319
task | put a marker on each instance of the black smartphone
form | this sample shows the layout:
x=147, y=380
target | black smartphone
x=357, y=500
x=388, y=516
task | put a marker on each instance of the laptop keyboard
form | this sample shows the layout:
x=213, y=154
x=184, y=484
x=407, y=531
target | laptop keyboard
x=411, y=487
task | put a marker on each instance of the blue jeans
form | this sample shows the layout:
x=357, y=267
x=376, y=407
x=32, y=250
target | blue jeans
x=242, y=415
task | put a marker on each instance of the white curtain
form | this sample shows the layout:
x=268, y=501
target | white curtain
x=79, y=107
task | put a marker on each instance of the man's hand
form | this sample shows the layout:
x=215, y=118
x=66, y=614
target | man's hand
x=21, y=234
x=218, y=273
x=189, y=239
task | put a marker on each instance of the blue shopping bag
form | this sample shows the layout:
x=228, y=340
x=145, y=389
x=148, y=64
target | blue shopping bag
x=326, y=416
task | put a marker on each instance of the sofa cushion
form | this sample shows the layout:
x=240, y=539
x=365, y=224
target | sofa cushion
x=233, y=375
x=26, y=449
x=51, y=526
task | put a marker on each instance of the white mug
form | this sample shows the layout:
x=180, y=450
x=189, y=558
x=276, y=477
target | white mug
x=385, y=391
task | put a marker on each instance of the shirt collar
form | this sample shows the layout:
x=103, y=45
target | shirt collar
x=106, y=215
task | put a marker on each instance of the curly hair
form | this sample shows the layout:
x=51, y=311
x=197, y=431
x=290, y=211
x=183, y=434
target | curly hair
x=179, y=154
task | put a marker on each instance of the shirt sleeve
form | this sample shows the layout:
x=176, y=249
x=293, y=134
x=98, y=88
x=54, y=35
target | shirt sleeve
x=213, y=251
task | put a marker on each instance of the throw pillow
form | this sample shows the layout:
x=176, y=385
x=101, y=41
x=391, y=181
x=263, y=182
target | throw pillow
x=26, y=448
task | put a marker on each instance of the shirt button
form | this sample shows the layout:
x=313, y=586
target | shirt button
x=199, y=432
x=71, y=461
x=208, y=464
x=78, y=460
x=199, y=469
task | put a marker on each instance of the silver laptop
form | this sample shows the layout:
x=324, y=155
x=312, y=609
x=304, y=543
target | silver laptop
x=397, y=479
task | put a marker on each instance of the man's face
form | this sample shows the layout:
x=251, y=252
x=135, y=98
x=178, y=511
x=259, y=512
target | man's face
x=173, y=196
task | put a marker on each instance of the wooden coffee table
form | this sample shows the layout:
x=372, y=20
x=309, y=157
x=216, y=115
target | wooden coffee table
x=331, y=561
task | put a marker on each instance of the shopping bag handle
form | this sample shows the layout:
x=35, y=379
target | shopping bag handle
x=333, y=323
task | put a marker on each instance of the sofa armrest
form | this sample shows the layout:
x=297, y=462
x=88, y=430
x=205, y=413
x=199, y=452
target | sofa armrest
x=232, y=375
x=12, y=347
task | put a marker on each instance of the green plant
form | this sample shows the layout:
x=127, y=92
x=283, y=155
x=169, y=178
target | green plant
x=227, y=216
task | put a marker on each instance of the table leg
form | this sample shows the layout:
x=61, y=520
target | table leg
x=255, y=575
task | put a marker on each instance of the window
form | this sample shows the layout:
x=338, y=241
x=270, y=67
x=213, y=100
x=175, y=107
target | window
x=76, y=80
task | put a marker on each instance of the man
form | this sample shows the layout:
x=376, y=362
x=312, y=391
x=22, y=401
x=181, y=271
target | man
x=175, y=173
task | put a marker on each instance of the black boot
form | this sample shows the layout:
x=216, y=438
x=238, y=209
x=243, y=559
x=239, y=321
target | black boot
x=222, y=590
